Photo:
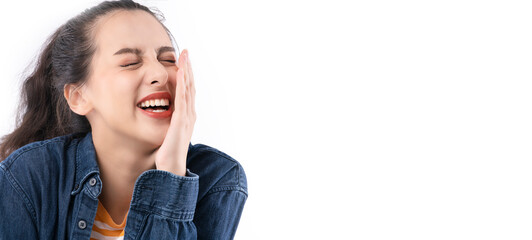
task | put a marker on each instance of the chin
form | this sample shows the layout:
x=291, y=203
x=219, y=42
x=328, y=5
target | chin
x=155, y=137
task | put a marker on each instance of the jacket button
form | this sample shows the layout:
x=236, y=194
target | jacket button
x=92, y=182
x=82, y=224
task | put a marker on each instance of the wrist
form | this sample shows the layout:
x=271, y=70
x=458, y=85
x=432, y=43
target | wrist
x=177, y=170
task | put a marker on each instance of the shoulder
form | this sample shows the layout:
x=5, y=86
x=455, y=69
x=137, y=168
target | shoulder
x=37, y=172
x=217, y=170
x=40, y=165
x=39, y=154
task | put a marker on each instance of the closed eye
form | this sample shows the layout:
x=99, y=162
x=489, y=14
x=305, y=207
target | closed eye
x=129, y=64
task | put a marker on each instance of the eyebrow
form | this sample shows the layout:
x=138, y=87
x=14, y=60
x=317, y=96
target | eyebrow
x=165, y=49
x=137, y=51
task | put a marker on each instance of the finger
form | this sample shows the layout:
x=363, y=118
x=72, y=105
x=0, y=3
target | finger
x=181, y=60
x=192, y=90
x=187, y=89
x=186, y=86
x=185, y=63
x=179, y=91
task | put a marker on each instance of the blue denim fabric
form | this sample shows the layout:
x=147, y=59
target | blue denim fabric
x=50, y=189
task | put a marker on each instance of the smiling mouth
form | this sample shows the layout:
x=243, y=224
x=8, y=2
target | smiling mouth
x=155, y=105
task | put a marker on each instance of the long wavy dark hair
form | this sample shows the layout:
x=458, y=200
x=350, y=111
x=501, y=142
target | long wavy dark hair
x=43, y=111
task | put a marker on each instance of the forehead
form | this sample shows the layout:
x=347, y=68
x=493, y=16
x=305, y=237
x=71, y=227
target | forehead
x=135, y=28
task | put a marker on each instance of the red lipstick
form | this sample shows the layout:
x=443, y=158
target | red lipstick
x=150, y=112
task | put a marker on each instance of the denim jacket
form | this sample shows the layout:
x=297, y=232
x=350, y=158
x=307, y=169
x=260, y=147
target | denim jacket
x=49, y=190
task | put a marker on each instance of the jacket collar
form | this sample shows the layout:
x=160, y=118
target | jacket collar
x=86, y=164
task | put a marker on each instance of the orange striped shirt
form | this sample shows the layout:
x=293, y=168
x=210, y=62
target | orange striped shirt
x=105, y=228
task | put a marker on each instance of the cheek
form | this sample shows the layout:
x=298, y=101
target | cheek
x=127, y=85
x=119, y=91
x=172, y=73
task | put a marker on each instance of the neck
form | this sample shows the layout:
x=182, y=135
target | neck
x=121, y=161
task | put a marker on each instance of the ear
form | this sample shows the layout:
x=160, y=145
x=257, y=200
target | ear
x=77, y=99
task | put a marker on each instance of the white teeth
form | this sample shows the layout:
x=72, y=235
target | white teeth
x=155, y=102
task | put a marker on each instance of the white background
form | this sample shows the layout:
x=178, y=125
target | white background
x=352, y=119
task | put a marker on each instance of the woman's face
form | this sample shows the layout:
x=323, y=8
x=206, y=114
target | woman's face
x=134, y=59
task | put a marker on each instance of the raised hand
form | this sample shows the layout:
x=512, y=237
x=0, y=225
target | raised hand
x=172, y=154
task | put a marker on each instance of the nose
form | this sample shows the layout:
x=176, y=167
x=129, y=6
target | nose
x=156, y=74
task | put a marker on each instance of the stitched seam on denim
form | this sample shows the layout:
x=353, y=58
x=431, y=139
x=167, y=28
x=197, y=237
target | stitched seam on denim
x=81, y=186
x=139, y=227
x=182, y=215
x=169, y=174
x=88, y=191
x=225, y=174
x=141, y=184
x=91, y=172
x=202, y=147
x=238, y=175
x=76, y=218
x=77, y=168
x=217, y=152
x=37, y=145
x=210, y=193
x=29, y=206
x=237, y=187
x=226, y=188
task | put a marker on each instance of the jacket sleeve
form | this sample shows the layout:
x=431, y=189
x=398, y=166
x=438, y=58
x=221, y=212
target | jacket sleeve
x=162, y=206
x=16, y=221
x=218, y=212
x=166, y=206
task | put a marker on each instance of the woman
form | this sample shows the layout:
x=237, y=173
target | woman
x=103, y=147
